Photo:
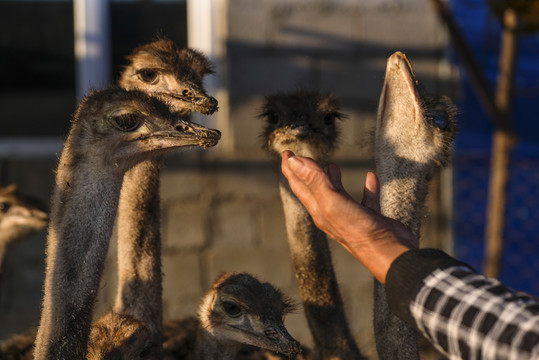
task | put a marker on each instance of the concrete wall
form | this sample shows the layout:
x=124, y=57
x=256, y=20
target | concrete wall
x=221, y=209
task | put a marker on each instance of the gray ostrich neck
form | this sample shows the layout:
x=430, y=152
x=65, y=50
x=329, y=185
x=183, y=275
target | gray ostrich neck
x=208, y=347
x=5, y=244
x=3, y=255
x=403, y=189
x=8, y=237
x=139, y=247
x=3, y=251
x=84, y=206
x=318, y=286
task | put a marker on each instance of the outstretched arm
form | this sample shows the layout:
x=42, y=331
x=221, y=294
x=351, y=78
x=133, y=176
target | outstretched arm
x=464, y=314
x=376, y=241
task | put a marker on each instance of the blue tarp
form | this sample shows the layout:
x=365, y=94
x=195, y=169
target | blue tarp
x=520, y=266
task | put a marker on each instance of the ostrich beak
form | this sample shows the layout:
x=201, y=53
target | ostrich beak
x=191, y=97
x=204, y=136
x=400, y=83
x=281, y=341
x=200, y=102
x=182, y=133
x=273, y=337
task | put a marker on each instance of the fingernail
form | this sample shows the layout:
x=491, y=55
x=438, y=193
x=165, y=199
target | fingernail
x=289, y=153
x=295, y=164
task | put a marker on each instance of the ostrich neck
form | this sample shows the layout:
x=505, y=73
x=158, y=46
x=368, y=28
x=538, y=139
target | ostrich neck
x=9, y=236
x=209, y=347
x=84, y=206
x=318, y=286
x=3, y=252
x=5, y=243
x=139, y=247
x=403, y=188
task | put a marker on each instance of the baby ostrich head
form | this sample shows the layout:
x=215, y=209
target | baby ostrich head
x=304, y=122
x=120, y=337
x=404, y=101
x=131, y=125
x=20, y=215
x=241, y=309
x=173, y=74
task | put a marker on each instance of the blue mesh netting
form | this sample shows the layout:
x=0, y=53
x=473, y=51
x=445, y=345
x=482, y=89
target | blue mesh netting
x=520, y=268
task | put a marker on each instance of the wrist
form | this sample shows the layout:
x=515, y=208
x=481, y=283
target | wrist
x=377, y=256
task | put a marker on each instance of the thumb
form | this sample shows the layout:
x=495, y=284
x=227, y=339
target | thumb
x=334, y=174
x=371, y=192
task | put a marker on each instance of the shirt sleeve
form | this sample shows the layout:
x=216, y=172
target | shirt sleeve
x=465, y=315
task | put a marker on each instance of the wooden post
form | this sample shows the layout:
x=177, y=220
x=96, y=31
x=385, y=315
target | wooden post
x=498, y=107
x=502, y=143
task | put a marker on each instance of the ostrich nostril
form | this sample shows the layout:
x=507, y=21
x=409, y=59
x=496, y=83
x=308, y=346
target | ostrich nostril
x=183, y=128
x=186, y=92
x=271, y=334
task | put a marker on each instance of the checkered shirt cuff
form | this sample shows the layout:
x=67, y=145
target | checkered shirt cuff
x=464, y=314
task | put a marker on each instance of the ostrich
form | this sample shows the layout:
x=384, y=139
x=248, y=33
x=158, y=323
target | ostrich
x=413, y=137
x=113, y=336
x=20, y=216
x=19, y=347
x=237, y=310
x=175, y=75
x=171, y=73
x=121, y=337
x=306, y=123
x=111, y=131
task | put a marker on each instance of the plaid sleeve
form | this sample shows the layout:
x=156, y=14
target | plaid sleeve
x=464, y=314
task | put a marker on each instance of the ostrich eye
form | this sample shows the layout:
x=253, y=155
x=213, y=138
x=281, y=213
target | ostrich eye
x=272, y=118
x=4, y=206
x=149, y=76
x=328, y=119
x=231, y=308
x=440, y=121
x=126, y=122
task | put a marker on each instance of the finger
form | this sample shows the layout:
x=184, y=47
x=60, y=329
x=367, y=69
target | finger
x=287, y=154
x=371, y=192
x=335, y=176
x=310, y=172
x=285, y=165
x=289, y=165
x=372, y=183
x=298, y=186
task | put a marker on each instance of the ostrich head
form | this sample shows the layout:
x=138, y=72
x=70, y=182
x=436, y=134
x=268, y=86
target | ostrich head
x=407, y=114
x=303, y=121
x=173, y=74
x=131, y=126
x=20, y=215
x=241, y=309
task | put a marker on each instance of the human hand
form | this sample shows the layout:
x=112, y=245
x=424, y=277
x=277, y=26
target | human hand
x=373, y=239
